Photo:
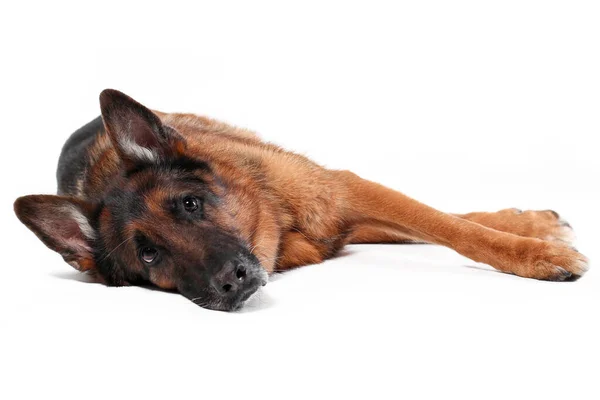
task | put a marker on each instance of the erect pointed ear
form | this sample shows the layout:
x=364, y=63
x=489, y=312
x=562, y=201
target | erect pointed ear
x=136, y=132
x=63, y=225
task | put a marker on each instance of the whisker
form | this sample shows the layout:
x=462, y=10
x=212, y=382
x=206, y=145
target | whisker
x=113, y=250
x=274, y=259
x=253, y=233
x=255, y=246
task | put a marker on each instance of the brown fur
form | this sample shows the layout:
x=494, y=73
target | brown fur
x=287, y=210
x=305, y=213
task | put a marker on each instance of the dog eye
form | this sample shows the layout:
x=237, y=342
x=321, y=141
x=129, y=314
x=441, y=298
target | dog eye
x=148, y=254
x=190, y=204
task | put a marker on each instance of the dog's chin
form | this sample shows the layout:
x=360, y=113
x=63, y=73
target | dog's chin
x=230, y=304
x=235, y=305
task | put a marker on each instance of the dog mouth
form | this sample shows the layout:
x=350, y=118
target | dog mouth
x=245, y=299
x=235, y=301
x=219, y=304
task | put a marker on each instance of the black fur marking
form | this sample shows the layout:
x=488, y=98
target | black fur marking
x=181, y=163
x=124, y=206
x=190, y=165
x=73, y=159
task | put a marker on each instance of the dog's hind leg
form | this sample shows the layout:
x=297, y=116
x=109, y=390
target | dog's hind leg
x=370, y=203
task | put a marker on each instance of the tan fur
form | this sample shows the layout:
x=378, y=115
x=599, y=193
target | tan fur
x=305, y=213
x=280, y=206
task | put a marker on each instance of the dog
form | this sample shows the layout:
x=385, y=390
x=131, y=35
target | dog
x=193, y=205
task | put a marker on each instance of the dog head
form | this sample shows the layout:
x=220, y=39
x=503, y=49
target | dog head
x=165, y=218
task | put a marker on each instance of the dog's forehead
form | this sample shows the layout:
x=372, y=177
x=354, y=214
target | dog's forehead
x=160, y=182
x=151, y=192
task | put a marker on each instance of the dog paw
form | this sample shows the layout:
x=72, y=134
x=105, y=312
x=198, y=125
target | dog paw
x=561, y=230
x=545, y=225
x=552, y=261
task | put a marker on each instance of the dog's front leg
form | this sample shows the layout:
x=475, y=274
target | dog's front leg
x=369, y=202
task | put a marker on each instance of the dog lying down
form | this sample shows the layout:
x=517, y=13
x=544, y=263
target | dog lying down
x=191, y=204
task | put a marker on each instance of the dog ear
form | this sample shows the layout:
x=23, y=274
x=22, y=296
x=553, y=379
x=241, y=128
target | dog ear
x=63, y=225
x=136, y=132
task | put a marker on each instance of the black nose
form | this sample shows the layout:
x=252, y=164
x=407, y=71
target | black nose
x=229, y=279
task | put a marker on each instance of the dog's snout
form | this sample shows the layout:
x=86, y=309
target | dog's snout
x=230, y=279
x=232, y=284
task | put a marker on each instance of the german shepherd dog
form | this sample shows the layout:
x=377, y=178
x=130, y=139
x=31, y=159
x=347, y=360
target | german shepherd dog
x=190, y=204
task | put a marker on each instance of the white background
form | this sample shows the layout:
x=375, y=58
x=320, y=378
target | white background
x=463, y=105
